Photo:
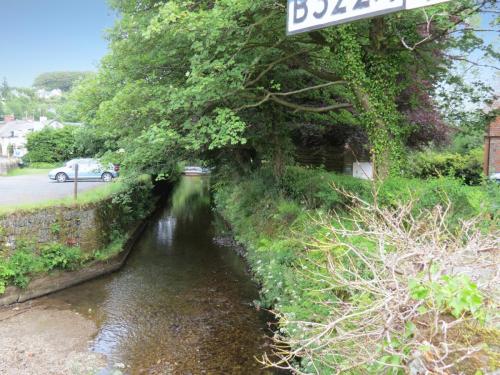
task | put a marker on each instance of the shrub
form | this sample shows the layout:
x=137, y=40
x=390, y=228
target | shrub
x=467, y=167
x=60, y=256
x=50, y=145
x=25, y=262
x=314, y=189
x=430, y=193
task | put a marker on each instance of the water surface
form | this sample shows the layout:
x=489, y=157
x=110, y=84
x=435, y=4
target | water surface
x=182, y=304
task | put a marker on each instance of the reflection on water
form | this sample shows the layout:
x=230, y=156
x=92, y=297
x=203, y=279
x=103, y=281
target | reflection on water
x=190, y=198
x=182, y=304
x=166, y=229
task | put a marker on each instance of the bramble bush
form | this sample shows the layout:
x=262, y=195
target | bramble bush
x=397, y=294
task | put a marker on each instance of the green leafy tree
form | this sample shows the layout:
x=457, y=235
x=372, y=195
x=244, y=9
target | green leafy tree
x=51, y=145
x=23, y=102
x=59, y=80
x=4, y=89
x=89, y=141
x=221, y=78
x=4, y=95
x=10, y=149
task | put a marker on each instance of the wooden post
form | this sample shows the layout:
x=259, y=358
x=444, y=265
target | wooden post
x=75, y=191
x=486, y=163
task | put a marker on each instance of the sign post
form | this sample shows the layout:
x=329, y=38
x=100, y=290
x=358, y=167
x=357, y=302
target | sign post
x=75, y=186
x=307, y=15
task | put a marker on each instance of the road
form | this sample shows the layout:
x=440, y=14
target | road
x=36, y=188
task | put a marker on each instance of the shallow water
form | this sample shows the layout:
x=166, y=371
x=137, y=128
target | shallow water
x=182, y=304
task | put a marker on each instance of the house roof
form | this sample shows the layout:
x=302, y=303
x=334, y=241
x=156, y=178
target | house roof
x=24, y=126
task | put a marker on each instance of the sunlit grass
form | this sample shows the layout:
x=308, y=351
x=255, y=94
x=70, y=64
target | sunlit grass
x=89, y=196
x=33, y=169
x=28, y=171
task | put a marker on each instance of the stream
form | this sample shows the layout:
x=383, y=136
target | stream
x=182, y=304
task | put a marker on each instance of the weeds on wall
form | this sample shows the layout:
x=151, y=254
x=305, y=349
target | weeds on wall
x=27, y=260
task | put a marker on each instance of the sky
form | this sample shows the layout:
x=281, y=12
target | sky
x=490, y=73
x=38, y=36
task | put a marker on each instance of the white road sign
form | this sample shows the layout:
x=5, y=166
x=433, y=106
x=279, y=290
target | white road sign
x=306, y=15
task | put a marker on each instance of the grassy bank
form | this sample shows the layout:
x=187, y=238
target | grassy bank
x=316, y=253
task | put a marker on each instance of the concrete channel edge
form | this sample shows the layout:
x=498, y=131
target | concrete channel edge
x=60, y=280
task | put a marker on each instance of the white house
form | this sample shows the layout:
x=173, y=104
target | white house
x=15, y=133
x=49, y=94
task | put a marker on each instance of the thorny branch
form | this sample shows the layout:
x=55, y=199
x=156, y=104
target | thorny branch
x=360, y=332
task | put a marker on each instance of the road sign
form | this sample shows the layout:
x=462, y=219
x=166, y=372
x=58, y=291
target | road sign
x=307, y=15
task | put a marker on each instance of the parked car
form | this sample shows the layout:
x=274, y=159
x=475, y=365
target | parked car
x=88, y=169
x=196, y=171
x=495, y=177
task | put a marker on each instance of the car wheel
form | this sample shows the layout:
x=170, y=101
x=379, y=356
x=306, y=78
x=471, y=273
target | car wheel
x=107, y=177
x=61, y=177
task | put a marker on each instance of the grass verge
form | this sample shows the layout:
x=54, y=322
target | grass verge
x=33, y=169
x=89, y=196
x=28, y=171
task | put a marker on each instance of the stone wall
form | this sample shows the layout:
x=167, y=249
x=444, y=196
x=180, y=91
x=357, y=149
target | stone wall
x=97, y=229
x=90, y=226
x=68, y=225
x=6, y=164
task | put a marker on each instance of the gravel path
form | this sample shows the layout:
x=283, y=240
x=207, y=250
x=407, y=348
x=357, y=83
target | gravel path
x=44, y=341
x=36, y=188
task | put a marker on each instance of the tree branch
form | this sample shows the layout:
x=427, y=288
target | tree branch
x=309, y=88
x=461, y=58
x=271, y=66
x=303, y=108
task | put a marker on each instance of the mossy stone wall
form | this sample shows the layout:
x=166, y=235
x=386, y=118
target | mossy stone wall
x=88, y=226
